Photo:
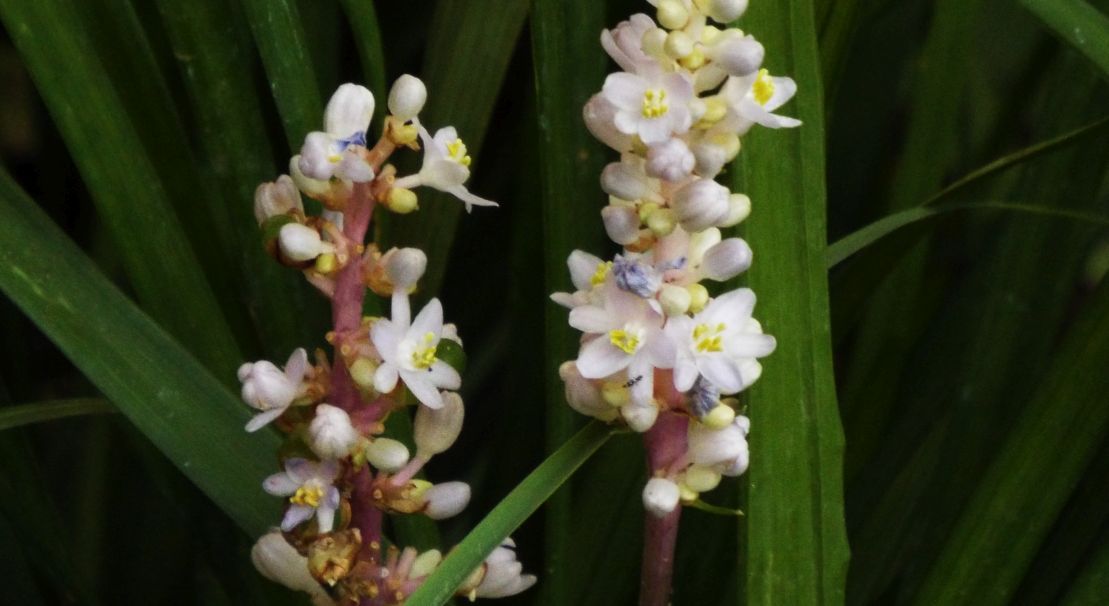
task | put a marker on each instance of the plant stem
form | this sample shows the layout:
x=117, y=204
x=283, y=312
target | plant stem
x=665, y=444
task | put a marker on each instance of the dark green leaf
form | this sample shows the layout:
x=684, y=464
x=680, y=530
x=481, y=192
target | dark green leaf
x=1080, y=25
x=26, y=414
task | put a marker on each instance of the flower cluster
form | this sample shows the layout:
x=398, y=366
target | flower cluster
x=341, y=472
x=656, y=344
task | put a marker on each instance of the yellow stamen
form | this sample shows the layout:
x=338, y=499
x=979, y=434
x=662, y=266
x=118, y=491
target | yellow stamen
x=601, y=273
x=763, y=89
x=654, y=103
x=307, y=495
x=424, y=358
x=457, y=151
x=708, y=338
x=624, y=340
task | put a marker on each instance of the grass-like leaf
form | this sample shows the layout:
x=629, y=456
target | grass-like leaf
x=1080, y=25
x=796, y=543
x=367, y=37
x=163, y=390
x=509, y=514
x=38, y=412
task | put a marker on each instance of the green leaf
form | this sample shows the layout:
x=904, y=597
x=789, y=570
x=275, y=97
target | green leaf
x=796, y=544
x=569, y=69
x=38, y=412
x=367, y=37
x=1089, y=588
x=128, y=193
x=468, y=50
x=163, y=390
x=1005, y=521
x=509, y=514
x=1080, y=25
x=281, y=42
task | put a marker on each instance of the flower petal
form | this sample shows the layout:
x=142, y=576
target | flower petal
x=385, y=378
x=599, y=358
x=429, y=320
x=722, y=372
x=260, y=420
x=280, y=484
x=295, y=515
x=422, y=388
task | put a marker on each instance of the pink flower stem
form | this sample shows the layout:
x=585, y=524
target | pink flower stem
x=665, y=444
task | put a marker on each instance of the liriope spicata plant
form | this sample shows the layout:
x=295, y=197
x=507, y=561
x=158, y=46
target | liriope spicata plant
x=659, y=353
x=340, y=475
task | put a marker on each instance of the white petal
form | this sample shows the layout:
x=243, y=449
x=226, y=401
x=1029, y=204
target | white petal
x=470, y=200
x=260, y=420
x=424, y=390
x=582, y=267
x=722, y=372
x=315, y=156
x=746, y=345
x=296, y=515
x=443, y=375
x=429, y=320
x=349, y=110
x=385, y=378
x=280, y=484
x=591, y=319
x=297, y=365
x=599, y=358
x=625, y=90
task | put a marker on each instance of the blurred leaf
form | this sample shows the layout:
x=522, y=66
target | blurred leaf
x=165, y=392
x=1080, y=25
x=797, y=549
x=367, y=37
x=1089, y=588
x=509, y=514
x=1023, y=491
x=569, y=69
x=38, y=412
x=19, y=582
x=281, y=42
x=129, y=195
x=468, y=50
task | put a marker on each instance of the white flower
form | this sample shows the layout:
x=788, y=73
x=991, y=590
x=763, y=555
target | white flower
x=277, y=198
x=334, y=152
x=660, y=496
x=500, y=575
x=624, y=43
x=736, y=54
x=434, y=430
x=446, y=167
x=331, y=434
x=655, y=107
x=271, y=390
x=309, y=488
x=726, y=260
x=407, y=97
x=446, y=500
x=408, y=351
x=629, y=337
x=280, y=562
x=599, y=114
x=714, y=343
x=404, y=266
x=301, y=243
x=724, y=450
x=586, y=272
x=701, y=204
x=670, y=160
x=753, y=98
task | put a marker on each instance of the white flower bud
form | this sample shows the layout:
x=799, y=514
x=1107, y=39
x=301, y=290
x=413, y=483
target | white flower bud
x=672, y=14
x=700, y=242
x=674, y=299
x=278, y=561
x=701, y=204
x=739, y=208
x=503, y=574
x=407, y=97
x=625, y=180
x=314, y=188
x=726, y=260
x=301, y=243
x=583, y=395
x=739, y=464
x=639, y=417
x=725, y=11
x=405, y=266
x=599, y=115
x=701, y=479
x=670, y=160
x=436, y=429
x=737, y=54
x=331, y=434
x=315, y=156
x=349, y=111
x=621, y=224
x=387, y=454
x=660, y=496
x=265, y=386
x=710, y=159
x=446, y=500
x=276, y=198
x=750, y=370
x=425, y=563
x=711, y=447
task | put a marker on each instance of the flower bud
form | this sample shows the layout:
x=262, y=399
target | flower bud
x=446, y=500
x=387, y=454
x=436, y=429
x=670, y=160
x=640, y=417
x=750, y=370
x=726, y=260
x=711, y=447
x=349, y=111
x=672, y=14
x=678, y=44
x=402, y=201
x=625, y=180
x=660, y=496
x=698, y=297
x=301, y=243
x=621, y=224
x=583, y=395
x=701, y=479
x=674, y=299
x=725, y=11
x=405, y=266
x=313, y=188
x=739, y=464
x=701, y=204
x=737, y=54
x=599, y=115
x=425, y=563
x=265, y=386
x=278, y=561
x=719, y=417
x=739, y=208
x=407, y=97
x=331, y=434
x=710, y=159
x=277, y=198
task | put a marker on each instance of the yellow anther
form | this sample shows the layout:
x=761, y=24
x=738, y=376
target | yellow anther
x=601, y=273
x=624, y=340
x=457, y=151
x=327, y=263
x=763, y=89
x=307, y=495
x=425, y=357
x=708, y=338
x=654, y=103
x=693, y=60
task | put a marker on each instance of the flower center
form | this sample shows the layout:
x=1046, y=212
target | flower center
x=763, y=89
x=307, y=495
x=601, y=273
x=425, y=357
x=654, y=103
x=626, y=340
x=457, y=151
x=707, y=339
x=340, y=145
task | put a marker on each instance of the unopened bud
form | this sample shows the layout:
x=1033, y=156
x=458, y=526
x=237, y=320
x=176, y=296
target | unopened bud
x=710, y=446
x=425, y=563
x=331, y=434
x=387, y=454
x=401, y=201
x=301, y=243
x=739, y=208
x=583, y=395
x=446, y=500
x=726, y=260
x=737, y=54
x=672, y=14
x=701, y=204
x=621, y=223
x=278, y=561
x=625, y=181
x=405, y=267
x=436, y=429
x=678, y=44
x=725, y=11
x=670, y=160
x=362, y=372
x=277, y=198
x=674, y=299
x=660, y=496
x=640, y=417
x=349, y=110
x=701, y=479
x=719, y=417
x=407, y=97
x=698, y=297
